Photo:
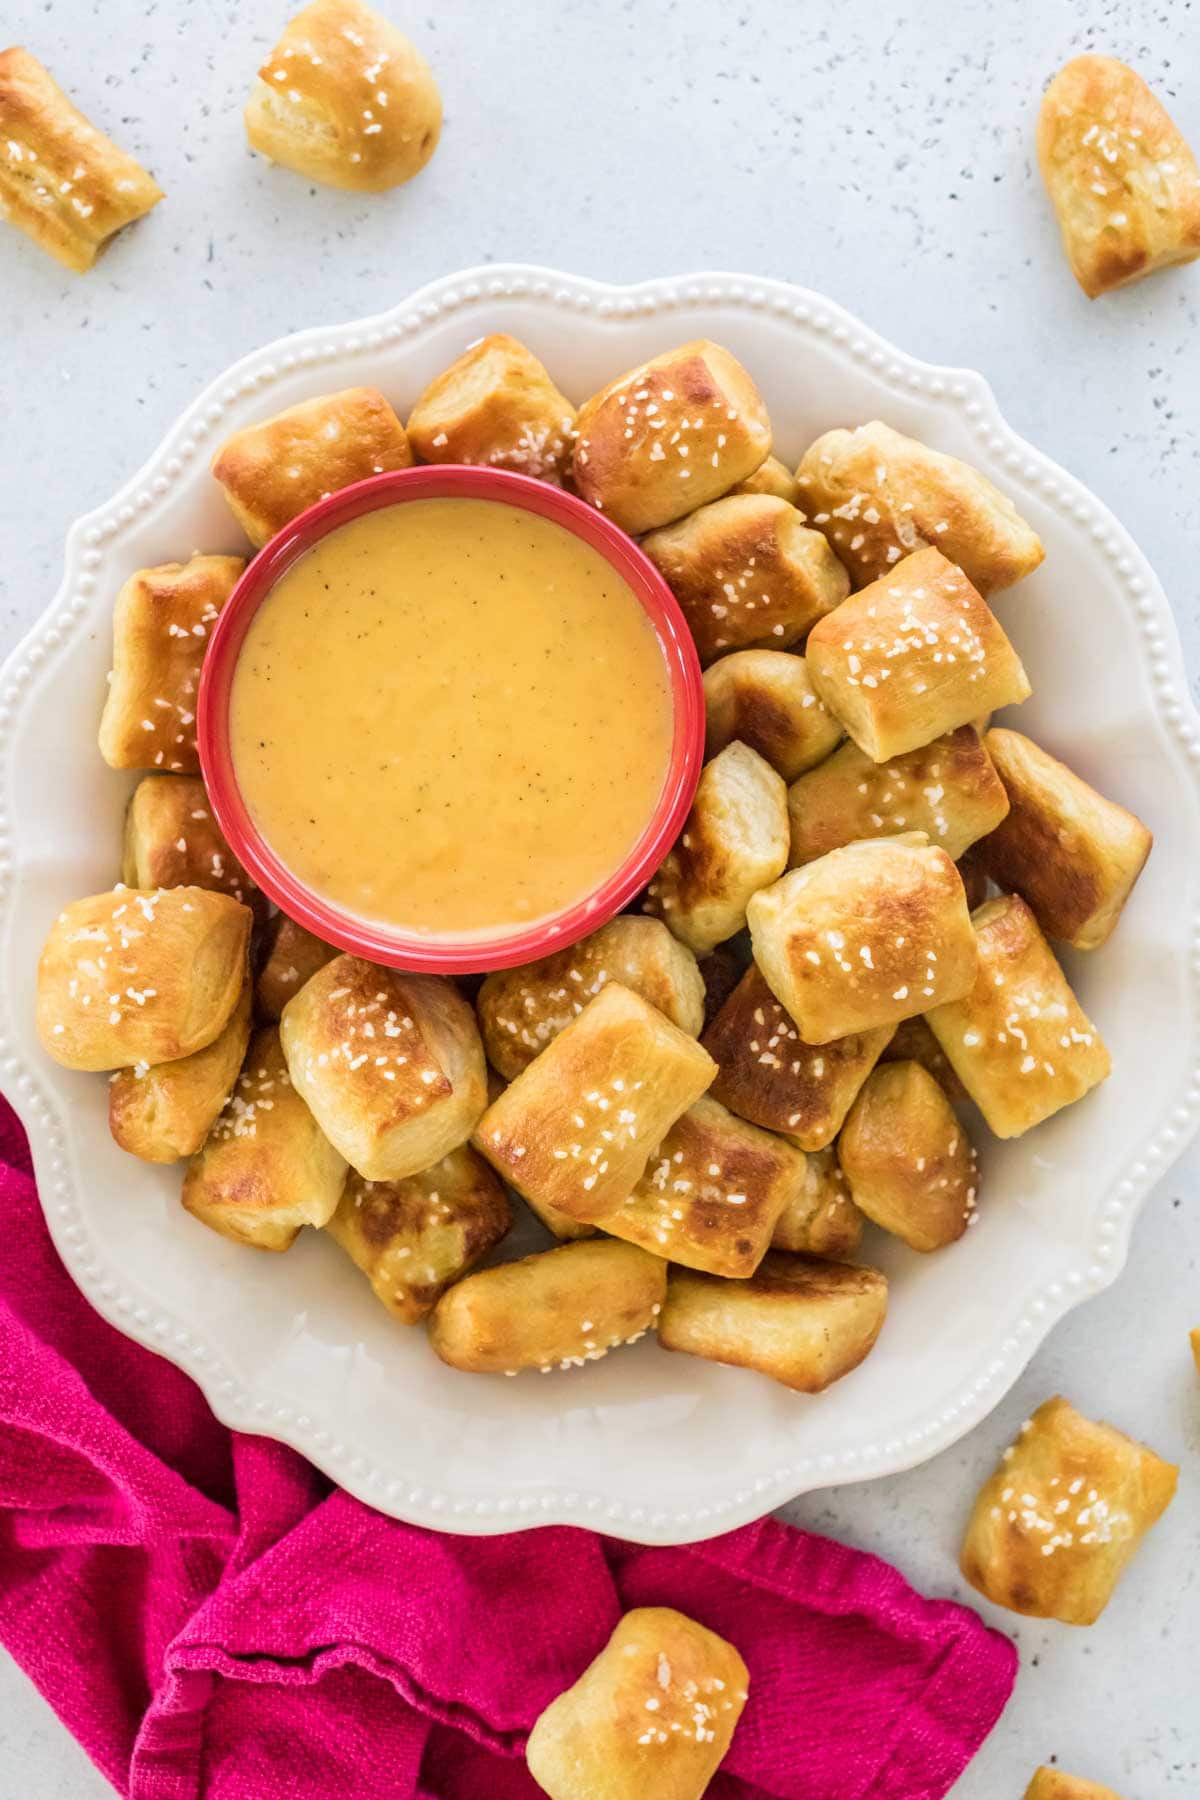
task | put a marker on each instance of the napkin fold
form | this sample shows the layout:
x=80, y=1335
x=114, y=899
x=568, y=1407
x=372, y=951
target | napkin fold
x=213, y=1621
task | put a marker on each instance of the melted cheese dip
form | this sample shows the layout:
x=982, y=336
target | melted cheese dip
x=451, y=716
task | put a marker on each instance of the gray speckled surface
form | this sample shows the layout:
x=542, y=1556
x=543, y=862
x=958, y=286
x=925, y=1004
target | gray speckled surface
x=884, y=158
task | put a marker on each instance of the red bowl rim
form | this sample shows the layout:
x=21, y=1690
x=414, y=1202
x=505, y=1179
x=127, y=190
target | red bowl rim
x=390, y=945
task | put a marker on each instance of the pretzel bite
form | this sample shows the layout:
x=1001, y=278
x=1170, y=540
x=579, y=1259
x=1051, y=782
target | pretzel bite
x=266, y=1168
x=669, y=435
x=172, y=839
x=161, y=623
x=293, y=956
x=820, y=1219
x=273, y=471
x=62, y=182
x=913, y=1041
x=131, y=977
x=878, y=496
x=865, y=936
x=974, y=876
x=1056, y=1784
x=345, y=99
x=803, y=1321
x=1055, y=1525
x=1122, y=181
x=391, y=1065
x=1018, y=1039
x=735, y=841
x=576, y=1128
x=910, y=1165
x=912, y=656
x=765, y=699
x=412, y=1238
x=746, y=570
x=649, y=1719
x=721, y=971
x=771, y=477
x=712, y=1192
x=496, y=405
x=765, y=1074
x=1072, y=854
x=559, y=1308
x=521, y=1010
x=947, y=789
x=163, y=1113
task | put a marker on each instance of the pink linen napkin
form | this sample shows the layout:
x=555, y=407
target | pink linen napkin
x=214, y=1622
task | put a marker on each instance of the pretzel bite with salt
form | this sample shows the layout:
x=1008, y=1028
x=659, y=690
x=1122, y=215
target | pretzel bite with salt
x=767, y=1075
x=771, y=477
x=910, y=1164
x=130, y=977
x=878, y=496
x=495, y=405
x=914, y=655
x=661, y=440
x=293, y=956
x=412, y=1238
x=273, y=471
x=948, y=789
x=914, y=1042
x=521, y=1010
x=735, y=841
x=765, y=700
x=1056, y=1784
x=161, y=625
x=266, y=1169
x=1018, y=1039
x=712, y=1192
x=1121, y=179
x=391, y=1065
x=820, y=1219
x=801, y=1320
x=560, y=1308
x=164, y=1113
x=747, y=571
x=1053, y=1528
x=649, y=1719
x=1070, y=853
x=865, y=936
x=172, y=839
x=576, y=1128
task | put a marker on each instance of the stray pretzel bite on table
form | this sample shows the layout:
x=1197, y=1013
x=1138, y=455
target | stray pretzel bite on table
x=878, y=496
x=1056, y=1784
x=914, y=655
x=273, y=471
x=651, y=1718
x=1070, y=853
x=391, y=1065
x=62, y=182
x=765, y=700
x=133, y=977
x=678, y=430
x=865, y=936
x=910, y=1164
x=734, y=842
x=712, y=1192
x=560, y=1308
x=1052, y=1529
x=820, y=1219
x=266, y=1168
x=521, y=1010
x=165, y=1112
x=1121, y=179
x=747, y=571
x=495, y=405
x=412, y=1238
x=799, y=1319
x=293, y=956
x=576, y=1128
x=172, y=839
x=767, y=1075
x=947, y=789
x=161, y=626
x=1018, y=1039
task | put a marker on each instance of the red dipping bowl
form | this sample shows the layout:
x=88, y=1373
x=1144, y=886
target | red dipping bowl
x=393, y=945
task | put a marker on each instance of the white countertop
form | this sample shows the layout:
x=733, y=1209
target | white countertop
x=884, y=158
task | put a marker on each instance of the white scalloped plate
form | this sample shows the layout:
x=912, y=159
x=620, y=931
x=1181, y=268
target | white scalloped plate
x=660, y=1448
